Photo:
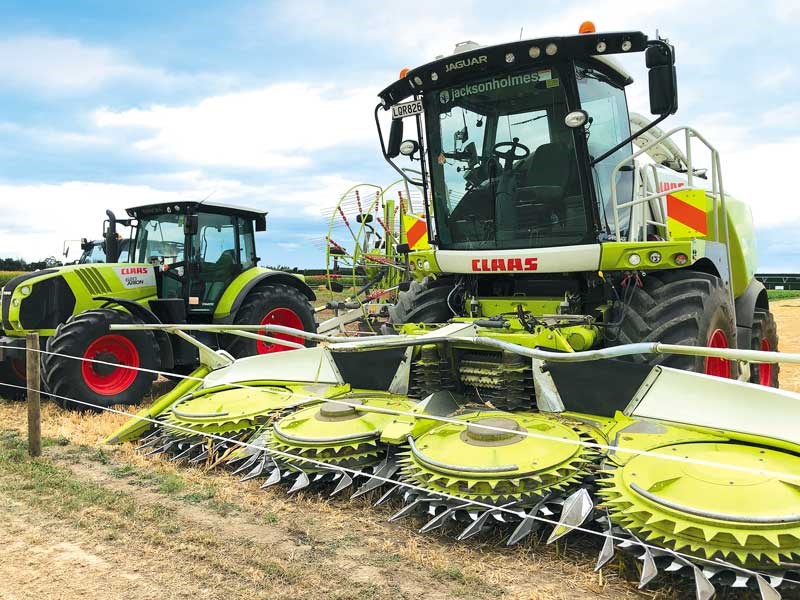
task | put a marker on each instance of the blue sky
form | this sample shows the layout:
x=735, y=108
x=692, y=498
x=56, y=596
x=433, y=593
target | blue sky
x=108, y=105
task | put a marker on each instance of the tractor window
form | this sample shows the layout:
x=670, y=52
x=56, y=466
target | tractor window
x=608, y=111
x=160, y=237
x=215, y=253
x=503, y=164
x=247, y=248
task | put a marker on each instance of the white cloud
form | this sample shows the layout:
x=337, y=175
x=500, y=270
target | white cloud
x=775, y=76
x=276, y=127
x=37, y=218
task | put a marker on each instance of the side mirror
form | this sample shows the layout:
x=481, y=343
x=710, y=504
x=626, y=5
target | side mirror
x=395, y=138
x=261, y=223
x=190, y=225
x=663, y=79
x=364, y=218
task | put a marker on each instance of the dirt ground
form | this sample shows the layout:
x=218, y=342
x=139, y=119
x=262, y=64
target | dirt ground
x=89, y=520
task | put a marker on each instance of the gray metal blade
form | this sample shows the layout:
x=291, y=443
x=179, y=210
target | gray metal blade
x=475, y=527
x=703, y=588
x=345, y=482
x=649, y=568
x=576, y=510
x=385, y=471
x=409, y=509
x=183, y=454
x=153, y=440
x=258, y=469
x=301, y=482
x=765, y=589
x=248, y=464
x=392, y=491
x=274, y=477
x=160, y=449
x=441, y=519
x=528, y=525
x=606, y=552
x=199, y=458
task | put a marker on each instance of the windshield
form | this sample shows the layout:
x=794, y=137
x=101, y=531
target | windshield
x=503, y=164
x=161, y=237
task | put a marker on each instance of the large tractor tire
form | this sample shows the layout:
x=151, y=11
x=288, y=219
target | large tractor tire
x=87, y=335
x=272, y=304
x=12, y=372
x=424, y=302
x=679, y=307
x=764, y=336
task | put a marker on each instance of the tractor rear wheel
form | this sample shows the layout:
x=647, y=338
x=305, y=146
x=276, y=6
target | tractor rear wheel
x=12, y=372
x=424, y=302
x=275, y=304
x=87, y=335
x=764, y=336
x=679, y=307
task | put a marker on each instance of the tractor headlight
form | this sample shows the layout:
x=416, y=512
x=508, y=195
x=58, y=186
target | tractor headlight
x=534, y=52
x=419, y=263
x=15, y=302
x=655, y=257
x=426, y=265
x=551, y=49
x=681, y=259
x=25, y=290
x=601, y=47
x=634, y=259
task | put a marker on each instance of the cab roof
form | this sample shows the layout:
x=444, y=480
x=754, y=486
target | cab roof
x=194, y=207
x=525, y=53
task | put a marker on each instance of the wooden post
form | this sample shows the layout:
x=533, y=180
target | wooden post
x=34, y=406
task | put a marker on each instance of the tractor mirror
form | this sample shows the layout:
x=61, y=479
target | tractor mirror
x=395, y=138
x=190, y=225
x=336, y=287
x=261, y=223
x=660, y=60
x=364, y=218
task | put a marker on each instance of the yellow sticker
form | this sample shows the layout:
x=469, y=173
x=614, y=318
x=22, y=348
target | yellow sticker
x=551, y=83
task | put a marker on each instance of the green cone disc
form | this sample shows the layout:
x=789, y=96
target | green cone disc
x=475, y=462
x=709, y=511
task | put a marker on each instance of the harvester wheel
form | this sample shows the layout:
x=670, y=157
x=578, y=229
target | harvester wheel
x=276, y=304
x=680, y=307
x=87, y=335
x=764, y=336
x=12, y=371
x=424, y=302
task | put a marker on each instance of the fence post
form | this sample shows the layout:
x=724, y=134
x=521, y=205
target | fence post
x=34, y=405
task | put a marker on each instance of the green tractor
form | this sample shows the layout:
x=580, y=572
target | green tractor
x=550, y=229
x=189, y=262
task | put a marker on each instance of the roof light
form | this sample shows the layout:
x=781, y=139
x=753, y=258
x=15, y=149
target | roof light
x=510, y=57
x=418, y=80
x=434, y=76
x=550, y=49
x=534, y=52
x=626, y=45
x=587, y=27
x=601, y=47
x=576, y=118
x=403, y=72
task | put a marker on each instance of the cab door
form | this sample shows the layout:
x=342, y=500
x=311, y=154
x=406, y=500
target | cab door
x=216, y=257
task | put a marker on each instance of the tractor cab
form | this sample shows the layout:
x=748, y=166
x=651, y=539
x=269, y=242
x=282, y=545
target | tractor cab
x=197, y=249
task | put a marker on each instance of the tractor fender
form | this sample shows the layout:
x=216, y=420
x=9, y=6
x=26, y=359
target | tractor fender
x=146, y=315
x=245, y=282
x=754, y=297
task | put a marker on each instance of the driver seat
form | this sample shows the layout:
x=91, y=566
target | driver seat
x=540, y=197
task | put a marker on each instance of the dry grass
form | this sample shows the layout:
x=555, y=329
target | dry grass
x=110, y=522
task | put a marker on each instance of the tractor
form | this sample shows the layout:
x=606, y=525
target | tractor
x=548, y=228
x=189, y=263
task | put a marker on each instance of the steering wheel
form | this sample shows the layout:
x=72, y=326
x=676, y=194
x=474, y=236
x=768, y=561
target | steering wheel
x=511, y=155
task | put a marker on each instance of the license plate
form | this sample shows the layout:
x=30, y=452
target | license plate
x=407, y=109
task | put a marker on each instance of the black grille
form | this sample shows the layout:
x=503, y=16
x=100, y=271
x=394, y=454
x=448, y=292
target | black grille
x=8, y=290
x=51, y=302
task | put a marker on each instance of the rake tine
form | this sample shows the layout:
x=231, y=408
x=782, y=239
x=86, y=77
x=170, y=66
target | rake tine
x=392, y=491
x=408, y=509
x=440, y=520
x=248, y=464
x=345, y=482
x=385, y=471
x=274, y=477
x=257, y=470
x=301, y=482
x=475, y=527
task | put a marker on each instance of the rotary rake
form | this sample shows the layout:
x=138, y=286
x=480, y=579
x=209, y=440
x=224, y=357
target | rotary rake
x=689, y=472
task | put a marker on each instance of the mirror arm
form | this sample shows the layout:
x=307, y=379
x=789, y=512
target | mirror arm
x=383, y=148
x=628, y=140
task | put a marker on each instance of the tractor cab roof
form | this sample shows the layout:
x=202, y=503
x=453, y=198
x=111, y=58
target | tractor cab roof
x=502, y=58
x=193, y=207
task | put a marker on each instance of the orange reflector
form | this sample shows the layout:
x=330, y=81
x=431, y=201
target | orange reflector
x=404, y=72
x=587, y=27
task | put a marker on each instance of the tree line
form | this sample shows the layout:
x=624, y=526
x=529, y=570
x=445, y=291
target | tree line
x=18, y=264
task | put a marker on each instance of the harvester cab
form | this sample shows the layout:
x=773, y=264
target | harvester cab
x=185, y=263
x=546, y=223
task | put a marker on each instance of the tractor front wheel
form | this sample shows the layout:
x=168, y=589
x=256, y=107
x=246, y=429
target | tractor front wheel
x=679, y=307
x=276, y=304
x=101, y=379
x=424, y=302
x=764, y=336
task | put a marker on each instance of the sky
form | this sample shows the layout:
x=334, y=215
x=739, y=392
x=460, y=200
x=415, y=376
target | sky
x=270, y=104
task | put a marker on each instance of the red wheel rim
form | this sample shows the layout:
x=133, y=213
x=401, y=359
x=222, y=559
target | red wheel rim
x=765, y=369
x=718, y=367
x=280, y=316
x=108, y=380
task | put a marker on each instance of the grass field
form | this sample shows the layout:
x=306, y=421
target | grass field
x=8, y=275
x=783, y=294
x=89, y=520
